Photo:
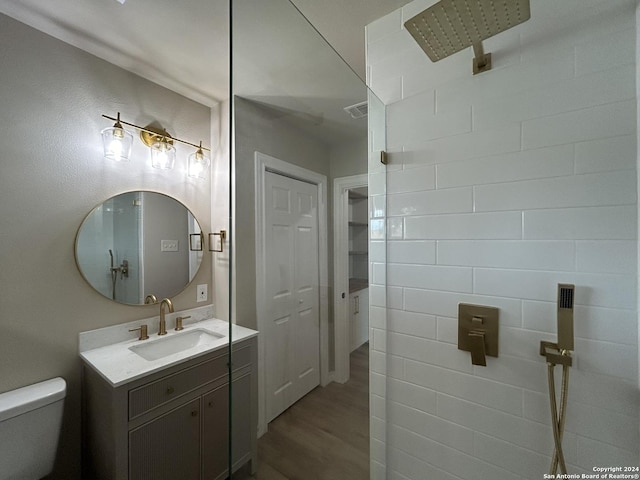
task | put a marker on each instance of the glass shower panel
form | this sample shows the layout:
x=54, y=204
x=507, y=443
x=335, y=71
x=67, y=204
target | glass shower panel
x=292, y=138
x=378, y=291
x=127, y=243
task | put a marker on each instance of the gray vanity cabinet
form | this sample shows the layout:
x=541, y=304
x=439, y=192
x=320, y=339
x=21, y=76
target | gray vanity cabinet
x=172, y=424
x=215, y=450
x=168, y=447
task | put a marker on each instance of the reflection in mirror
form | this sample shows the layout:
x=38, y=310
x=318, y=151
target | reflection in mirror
x=138, y=244
x=293, y=137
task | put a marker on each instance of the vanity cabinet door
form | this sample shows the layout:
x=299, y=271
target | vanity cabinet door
x=215, y=423
x=167, y=447
x=215, y=440
x=242, y=420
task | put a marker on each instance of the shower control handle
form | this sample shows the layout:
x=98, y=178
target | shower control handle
x=478, y=351
x=478, y=334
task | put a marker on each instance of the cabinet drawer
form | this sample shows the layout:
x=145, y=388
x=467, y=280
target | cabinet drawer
x=155, y=394
x=240, y=357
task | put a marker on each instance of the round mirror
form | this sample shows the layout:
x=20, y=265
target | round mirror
x=139, y=245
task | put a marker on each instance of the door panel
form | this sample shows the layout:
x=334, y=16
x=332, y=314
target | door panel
x=292, y=337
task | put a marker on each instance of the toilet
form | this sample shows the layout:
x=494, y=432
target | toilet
x=30, y=421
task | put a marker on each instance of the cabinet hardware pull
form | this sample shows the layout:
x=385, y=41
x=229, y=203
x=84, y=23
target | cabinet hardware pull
x=194, y=413
x=210, y=404
x=170, y=390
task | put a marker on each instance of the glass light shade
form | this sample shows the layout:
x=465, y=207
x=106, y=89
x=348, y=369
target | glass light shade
x=198, y=164
x=163, y=155
x=117, y=142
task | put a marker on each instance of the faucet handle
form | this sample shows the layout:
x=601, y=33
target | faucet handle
x=143, y=332
x=179, y=322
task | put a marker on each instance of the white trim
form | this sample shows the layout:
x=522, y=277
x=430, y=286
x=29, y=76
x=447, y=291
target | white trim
x=265, y=163
x=341, y=187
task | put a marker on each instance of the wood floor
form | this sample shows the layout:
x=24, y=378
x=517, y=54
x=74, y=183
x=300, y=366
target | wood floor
x=324, y=436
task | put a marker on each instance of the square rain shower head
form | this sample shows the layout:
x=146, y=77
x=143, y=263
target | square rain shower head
x=453, y=25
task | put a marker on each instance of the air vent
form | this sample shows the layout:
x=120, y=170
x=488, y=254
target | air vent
x=359, y=110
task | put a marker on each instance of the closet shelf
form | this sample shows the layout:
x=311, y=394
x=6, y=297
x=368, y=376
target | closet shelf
x=358, y=252
x=357, y=284
x=357, y=196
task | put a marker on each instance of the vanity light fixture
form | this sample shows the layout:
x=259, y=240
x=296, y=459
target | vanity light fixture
x=117, y=141
x=198, y=163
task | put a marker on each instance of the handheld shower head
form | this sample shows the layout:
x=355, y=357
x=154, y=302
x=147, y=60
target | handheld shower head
x=565, y=316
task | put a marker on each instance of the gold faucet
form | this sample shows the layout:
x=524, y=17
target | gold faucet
x=162, y=330
x=150, y=299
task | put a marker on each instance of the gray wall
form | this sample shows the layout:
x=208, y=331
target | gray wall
x=164, y=220
x=53, y=174
x=349, y=158
x=257, y=128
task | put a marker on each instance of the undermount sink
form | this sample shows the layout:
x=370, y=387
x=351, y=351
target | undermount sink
x=179, y=342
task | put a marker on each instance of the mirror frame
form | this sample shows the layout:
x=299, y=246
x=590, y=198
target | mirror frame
x=187, y=242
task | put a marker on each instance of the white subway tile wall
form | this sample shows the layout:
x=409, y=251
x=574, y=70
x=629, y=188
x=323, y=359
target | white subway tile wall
x=499, y=186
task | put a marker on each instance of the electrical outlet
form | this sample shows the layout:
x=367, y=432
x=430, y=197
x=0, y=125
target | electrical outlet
x=201, y=296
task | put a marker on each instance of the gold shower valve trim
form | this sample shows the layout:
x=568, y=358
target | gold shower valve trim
x=478, y=331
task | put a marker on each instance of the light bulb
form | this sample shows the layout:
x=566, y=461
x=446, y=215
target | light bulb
x=116, y=147
x=116, y=143
x=198, y=164
x=163, y=155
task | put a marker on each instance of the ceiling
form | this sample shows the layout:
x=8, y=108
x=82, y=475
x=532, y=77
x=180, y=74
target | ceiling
x=342, y=22
x=184, y=45
x=280, y=60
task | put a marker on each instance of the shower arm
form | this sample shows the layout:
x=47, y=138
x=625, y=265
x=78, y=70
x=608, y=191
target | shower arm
x=481, y=60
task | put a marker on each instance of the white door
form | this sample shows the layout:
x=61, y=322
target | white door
x=292, y=331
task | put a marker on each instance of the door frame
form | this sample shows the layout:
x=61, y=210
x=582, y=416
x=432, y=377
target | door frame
x=341, y=187
x=263, y=164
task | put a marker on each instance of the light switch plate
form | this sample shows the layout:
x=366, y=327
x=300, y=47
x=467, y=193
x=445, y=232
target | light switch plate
x=474, y=318
x=168, y=245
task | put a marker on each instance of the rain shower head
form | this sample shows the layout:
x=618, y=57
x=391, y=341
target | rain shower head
x=449, y=26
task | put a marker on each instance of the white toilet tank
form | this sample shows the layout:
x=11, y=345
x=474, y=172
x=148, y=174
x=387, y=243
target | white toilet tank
x=30, y=420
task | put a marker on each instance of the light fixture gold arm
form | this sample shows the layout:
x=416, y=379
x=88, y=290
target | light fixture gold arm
x=153, y=134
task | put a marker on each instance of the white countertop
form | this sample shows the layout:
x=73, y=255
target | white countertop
x=117, y=364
